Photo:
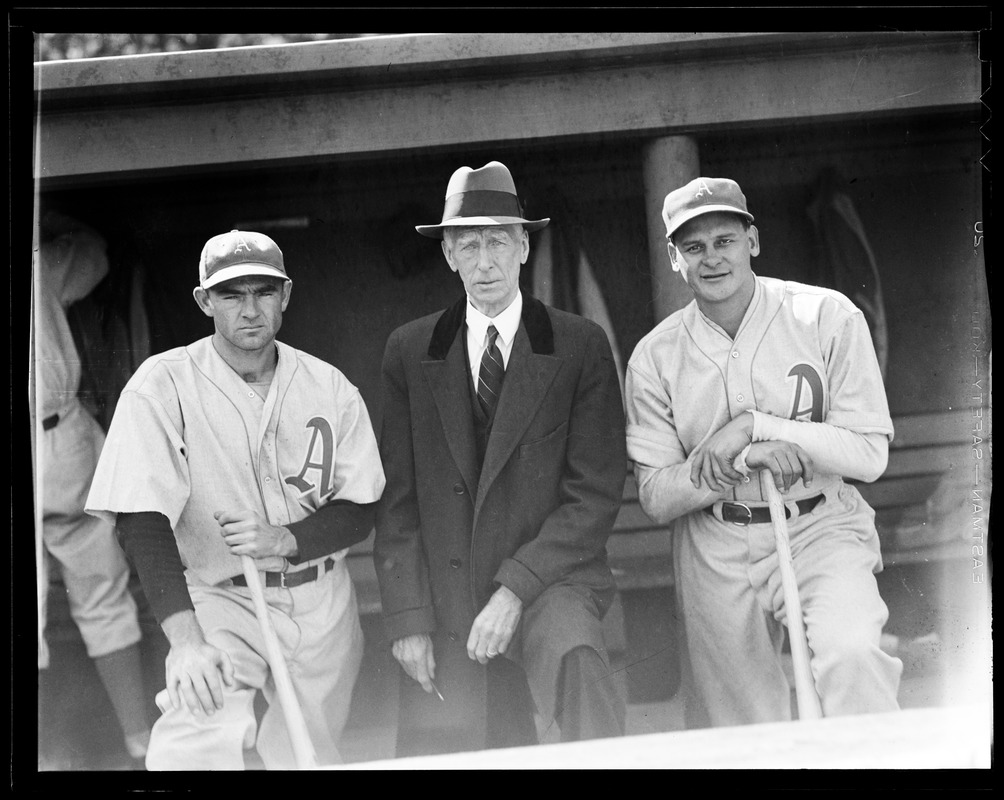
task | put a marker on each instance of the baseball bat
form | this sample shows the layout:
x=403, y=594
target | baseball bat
x=303, y=749
x=805, y=687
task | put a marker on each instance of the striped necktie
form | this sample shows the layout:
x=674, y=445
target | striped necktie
x=490, y=377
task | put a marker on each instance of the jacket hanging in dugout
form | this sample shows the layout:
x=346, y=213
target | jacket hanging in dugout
x=847, y=262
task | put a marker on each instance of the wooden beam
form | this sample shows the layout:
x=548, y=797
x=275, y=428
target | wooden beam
x=390, y=58
x=645, y=101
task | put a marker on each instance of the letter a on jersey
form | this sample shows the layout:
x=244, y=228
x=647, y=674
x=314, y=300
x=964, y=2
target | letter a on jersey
x=807, y=380
x=322, y=435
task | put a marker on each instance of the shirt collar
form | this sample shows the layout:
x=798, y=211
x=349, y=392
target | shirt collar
x=506, y=323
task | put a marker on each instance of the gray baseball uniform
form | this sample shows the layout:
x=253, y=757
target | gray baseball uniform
x=803, y=363
x=190, y=438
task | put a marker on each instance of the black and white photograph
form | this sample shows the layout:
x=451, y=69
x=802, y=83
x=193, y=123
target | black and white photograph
x=502, y=400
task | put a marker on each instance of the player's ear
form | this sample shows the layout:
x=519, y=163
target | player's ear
x=287, y=289
x=754, y=240
x=673, y=255
x=203, y=301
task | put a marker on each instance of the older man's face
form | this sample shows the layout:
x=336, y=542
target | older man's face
x=488, y=261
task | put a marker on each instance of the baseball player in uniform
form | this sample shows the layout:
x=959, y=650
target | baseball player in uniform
x=72, y=261
x=241, y=445
x=761, y=379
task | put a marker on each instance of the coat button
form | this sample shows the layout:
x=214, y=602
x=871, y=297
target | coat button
x=452, y=636
x=458, y=488
x=455, y=563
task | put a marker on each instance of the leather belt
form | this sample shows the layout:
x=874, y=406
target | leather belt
x=289, y=580
x=743, y=514
x=50, y=422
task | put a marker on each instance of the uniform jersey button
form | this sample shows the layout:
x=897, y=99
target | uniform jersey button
x=250, y=394
x=455, y=563
x=740, y=397
x=735, y=354
x=458, y=488
x=268, y=480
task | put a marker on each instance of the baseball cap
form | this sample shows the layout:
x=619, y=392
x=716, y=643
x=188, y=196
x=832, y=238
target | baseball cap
x=238, y=254
x=702, y=196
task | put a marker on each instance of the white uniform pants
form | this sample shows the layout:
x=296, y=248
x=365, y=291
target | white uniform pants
x=732, y=602
x=317, y=625
x=93, y=566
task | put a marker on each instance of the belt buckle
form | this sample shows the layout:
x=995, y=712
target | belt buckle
x=282, y=580
x=749, y=515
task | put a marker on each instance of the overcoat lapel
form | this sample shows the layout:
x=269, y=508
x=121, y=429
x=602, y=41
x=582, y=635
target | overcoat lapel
x=448, y=382
x=531, y=370
x=527, y=379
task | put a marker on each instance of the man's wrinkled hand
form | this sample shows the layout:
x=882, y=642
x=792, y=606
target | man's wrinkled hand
x=494, y=627
x=414, y=654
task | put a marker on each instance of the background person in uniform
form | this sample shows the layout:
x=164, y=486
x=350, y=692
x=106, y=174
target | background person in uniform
x=762, y=374
x=241, y=445
x=503, y=441
x=73, y=260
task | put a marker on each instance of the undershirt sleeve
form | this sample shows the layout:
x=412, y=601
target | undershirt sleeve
x=334, y=526
x=148, y=540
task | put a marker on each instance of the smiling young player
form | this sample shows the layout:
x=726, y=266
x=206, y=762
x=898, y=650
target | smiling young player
x=756, y=377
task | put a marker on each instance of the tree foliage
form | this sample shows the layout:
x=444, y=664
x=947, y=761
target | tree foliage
x=59, y=46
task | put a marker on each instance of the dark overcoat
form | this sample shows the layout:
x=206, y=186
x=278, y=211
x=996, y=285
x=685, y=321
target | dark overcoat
x=537, y=512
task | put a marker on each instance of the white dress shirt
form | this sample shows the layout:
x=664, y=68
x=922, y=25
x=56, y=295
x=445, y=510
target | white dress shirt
x=506, y=323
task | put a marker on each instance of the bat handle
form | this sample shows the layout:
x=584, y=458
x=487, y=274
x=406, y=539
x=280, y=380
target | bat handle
x=303, y=749
x=805, y=688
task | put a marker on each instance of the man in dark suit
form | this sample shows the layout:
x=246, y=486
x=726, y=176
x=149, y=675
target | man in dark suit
x=503, y=444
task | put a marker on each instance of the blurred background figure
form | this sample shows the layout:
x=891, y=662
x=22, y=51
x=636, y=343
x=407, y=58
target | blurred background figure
x=71, y=261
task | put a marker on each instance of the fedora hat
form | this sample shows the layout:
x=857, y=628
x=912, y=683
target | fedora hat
x=477, y=197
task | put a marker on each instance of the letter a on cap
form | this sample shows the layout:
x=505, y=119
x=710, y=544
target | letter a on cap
x=704, y=188
x=241, y=244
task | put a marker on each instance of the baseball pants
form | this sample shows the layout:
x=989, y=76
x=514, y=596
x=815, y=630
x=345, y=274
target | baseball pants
x=732, y=601
x=317, y=625
x=93, y=566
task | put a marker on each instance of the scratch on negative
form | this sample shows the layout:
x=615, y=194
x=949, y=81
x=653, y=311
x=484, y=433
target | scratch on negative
x=894, y=98
x=856, y=70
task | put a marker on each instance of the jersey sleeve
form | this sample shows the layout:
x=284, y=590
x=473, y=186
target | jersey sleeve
x=660, y=461
x=143, y=464
x=358, y=473
x=857, y=394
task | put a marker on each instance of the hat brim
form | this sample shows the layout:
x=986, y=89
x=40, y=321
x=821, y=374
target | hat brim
x=708, y=209
x=436, y=231
x=242, y=271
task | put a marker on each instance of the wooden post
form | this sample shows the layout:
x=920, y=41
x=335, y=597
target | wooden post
x=669, y=163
